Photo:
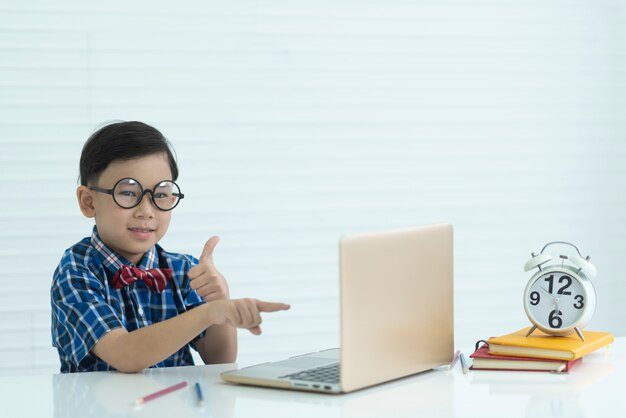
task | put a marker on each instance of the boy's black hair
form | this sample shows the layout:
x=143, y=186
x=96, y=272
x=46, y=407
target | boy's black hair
x=122, y=141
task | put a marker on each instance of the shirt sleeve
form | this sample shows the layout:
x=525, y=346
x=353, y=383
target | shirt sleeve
x=190, y=296
x=81, y=314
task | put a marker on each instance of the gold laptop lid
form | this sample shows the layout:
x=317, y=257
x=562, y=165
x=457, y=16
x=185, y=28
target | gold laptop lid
x=396, y=303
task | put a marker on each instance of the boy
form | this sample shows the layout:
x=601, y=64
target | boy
x=119, y=301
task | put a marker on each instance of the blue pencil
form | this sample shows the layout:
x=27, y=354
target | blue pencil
x=464, y=363
x=200, y=394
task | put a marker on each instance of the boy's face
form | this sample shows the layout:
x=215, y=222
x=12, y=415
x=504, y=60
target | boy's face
x=129, y=232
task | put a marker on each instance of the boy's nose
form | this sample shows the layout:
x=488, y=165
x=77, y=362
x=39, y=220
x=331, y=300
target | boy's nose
x=145, y=208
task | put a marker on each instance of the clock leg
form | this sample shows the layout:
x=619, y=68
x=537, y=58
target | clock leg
x=580, y=334
x=530, y=331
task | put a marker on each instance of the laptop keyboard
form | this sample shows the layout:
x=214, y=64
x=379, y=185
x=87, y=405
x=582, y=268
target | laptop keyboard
x=326, y=374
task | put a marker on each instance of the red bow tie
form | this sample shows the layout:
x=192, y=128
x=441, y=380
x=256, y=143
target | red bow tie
x=155, y=279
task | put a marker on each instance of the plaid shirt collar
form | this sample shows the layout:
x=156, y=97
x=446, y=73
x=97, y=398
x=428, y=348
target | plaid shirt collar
x=112, y=262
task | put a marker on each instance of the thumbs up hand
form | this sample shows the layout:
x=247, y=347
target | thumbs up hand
x=205, y=279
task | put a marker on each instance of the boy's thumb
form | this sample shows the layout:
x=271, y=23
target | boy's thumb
x=207, y=251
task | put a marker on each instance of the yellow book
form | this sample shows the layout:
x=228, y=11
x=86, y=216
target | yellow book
x=541, y=345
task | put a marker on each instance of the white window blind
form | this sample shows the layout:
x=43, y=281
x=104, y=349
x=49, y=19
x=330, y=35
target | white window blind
x=296, y=122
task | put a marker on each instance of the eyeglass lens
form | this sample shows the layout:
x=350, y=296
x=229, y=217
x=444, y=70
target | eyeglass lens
x=128, y=193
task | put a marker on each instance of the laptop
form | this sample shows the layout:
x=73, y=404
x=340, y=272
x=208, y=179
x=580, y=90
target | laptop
x=396, y=315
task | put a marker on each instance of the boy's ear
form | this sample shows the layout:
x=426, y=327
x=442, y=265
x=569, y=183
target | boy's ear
x=85, y=201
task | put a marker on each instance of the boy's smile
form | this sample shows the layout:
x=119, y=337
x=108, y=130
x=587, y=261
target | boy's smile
x=142, y=233
x=129, y=232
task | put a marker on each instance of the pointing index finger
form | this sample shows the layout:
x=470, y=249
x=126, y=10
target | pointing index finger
x=271, y=306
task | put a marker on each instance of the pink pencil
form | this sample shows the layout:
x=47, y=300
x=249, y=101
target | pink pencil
x=160, y=393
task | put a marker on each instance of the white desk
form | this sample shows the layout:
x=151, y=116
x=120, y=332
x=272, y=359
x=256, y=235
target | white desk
x=596, y=388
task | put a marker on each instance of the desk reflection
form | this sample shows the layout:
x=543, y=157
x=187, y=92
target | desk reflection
x=549, y=395
x=593, y=389
x=427, y=394
x=109, y=394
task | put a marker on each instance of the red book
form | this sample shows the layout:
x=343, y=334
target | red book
x=482, y=360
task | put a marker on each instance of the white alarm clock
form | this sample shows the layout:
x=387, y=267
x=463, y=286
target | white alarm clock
x=560, y=299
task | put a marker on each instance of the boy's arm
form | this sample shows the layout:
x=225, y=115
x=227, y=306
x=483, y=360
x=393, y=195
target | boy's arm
x=219, y=345
x=131, y=352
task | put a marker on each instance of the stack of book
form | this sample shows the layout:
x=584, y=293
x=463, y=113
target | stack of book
x=537, y=352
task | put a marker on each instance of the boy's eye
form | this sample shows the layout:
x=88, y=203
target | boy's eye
x=127, y=193
x=161, y=195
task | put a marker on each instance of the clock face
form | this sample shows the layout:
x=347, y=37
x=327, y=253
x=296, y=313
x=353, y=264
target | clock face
x=556, y=300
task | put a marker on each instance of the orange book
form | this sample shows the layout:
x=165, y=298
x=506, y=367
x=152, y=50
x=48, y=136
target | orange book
x=541, y=345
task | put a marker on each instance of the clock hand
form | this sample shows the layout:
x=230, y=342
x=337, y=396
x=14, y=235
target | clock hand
x=548, y=293
x=556, y=306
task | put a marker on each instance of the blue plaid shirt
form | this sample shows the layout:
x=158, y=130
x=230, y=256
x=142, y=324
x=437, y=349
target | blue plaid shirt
x=85, y=306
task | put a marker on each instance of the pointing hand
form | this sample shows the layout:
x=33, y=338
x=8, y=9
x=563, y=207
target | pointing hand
x=242, y=313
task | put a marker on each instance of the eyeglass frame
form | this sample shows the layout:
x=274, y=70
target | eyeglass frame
x=143, y=193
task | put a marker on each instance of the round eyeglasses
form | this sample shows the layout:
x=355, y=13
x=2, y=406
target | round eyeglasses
x=128, y=193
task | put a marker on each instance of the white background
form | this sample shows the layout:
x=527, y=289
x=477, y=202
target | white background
x=296, y=122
